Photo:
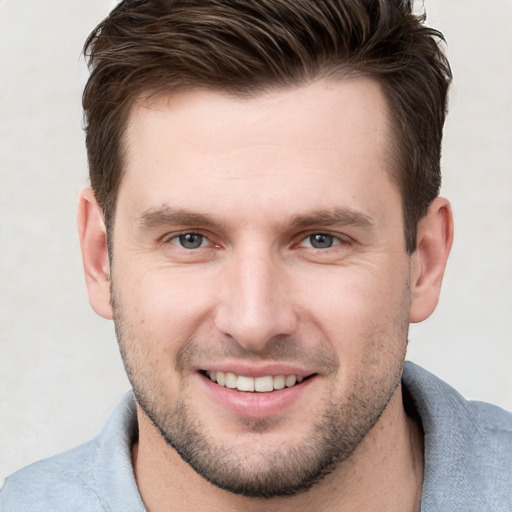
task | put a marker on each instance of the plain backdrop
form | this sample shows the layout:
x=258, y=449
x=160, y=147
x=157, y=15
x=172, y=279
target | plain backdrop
x=60, y=372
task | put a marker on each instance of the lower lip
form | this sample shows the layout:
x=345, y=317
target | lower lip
x=256, y=405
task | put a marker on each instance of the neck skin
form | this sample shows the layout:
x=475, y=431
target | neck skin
x=385, y=473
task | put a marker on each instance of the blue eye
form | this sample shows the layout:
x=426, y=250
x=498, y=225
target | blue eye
x=191, y=240
x=321, y=241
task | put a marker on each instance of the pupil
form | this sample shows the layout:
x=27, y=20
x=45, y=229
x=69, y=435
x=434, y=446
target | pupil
x=191, y=240
x=321, y=241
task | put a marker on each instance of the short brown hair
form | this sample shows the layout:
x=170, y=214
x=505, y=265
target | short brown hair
x=245, y=47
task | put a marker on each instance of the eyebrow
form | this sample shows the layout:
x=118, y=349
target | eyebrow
x=332, y=217
x=166, y=215
x=155, y=217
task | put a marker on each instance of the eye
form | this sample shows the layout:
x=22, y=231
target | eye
x=320, y=241
x=190, y=240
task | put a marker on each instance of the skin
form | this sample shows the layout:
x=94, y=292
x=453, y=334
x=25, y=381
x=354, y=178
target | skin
x=256, y=178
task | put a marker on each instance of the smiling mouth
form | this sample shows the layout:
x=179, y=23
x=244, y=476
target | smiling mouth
x=264, y=384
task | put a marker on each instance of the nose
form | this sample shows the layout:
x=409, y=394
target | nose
x=255, y=305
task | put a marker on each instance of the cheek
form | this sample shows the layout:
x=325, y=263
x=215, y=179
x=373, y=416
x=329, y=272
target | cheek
x=164, y=304
x=360, y=311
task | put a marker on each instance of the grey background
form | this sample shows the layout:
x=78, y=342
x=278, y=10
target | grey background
x=60, y=372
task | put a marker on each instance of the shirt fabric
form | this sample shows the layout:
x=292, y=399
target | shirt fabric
x=468, y=459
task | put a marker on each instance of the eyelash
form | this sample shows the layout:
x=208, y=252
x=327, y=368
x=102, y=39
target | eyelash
x=175, y=239
x=336, y=239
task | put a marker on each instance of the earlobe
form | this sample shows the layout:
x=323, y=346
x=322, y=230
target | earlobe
x=435, y=237
x=93, y=243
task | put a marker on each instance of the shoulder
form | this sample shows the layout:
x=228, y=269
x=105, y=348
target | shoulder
x=487, y=432
x=468, y=445
x=96, y=476
x=439, y=403
x=60, y=483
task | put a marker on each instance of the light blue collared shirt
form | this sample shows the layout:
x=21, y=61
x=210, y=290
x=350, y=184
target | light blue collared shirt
x=468, y=459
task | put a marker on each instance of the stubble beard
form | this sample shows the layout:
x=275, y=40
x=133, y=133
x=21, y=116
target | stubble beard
x=250, y=470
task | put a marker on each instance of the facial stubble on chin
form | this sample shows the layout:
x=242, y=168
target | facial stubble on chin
x=241, y=469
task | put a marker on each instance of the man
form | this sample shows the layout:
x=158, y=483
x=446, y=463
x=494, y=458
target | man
x=263, y=224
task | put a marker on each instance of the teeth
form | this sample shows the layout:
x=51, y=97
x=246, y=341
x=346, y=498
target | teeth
x=264, y=384
x=245, y=383
x=279, y=382
x=259, y=384
x=290, y=381
x=231, y=380
x=220, y=377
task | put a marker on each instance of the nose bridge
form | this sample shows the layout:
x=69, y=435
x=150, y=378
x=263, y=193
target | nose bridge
x=256, y=306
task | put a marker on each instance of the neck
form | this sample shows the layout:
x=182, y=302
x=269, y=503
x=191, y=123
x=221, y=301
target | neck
x=384, y=473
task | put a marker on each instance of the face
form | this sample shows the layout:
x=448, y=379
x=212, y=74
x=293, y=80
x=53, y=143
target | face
x=260, y=280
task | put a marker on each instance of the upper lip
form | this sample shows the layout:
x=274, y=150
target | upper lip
x=252, y=370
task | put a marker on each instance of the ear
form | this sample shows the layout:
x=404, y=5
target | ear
x=93, y=243
x=435, y=237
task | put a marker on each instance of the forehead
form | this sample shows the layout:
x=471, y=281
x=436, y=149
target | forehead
x=300, y=140
x=332, y=104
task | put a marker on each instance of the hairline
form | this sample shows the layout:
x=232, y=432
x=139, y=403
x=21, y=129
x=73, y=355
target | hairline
x=392, y=161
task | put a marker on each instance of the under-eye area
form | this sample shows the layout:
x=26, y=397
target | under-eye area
x=264, y=384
